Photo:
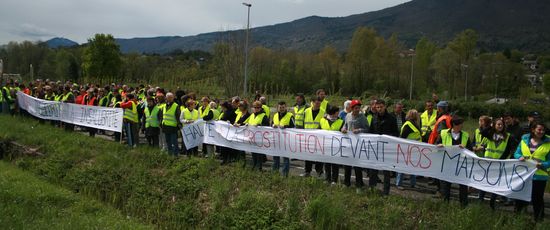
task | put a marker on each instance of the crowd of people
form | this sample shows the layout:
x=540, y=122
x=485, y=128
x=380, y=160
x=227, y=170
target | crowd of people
x=160, y=114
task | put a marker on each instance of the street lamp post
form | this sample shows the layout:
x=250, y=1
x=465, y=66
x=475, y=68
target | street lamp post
x=466, y=82
x=412, y=72
x=248, y=5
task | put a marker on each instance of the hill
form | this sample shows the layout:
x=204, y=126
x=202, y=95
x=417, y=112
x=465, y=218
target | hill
x=60, y=42
x=501, y=24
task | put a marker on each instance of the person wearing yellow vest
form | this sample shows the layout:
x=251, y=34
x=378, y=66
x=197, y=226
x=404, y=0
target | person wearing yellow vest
x=479, y=141
x=410, y=131
x=428, y=119
x=332, y=123
x=258, y=118
x=160, y=100
x=265, y=107
x=371, y=111
x=450, y=137
x=7, y=98
x=498, y=146
x=282, y=119
x=150, y=122
x=215, y=110
x=312, y=120
x=67, y=97
x=242, y=117
x=207, y=114
x=131, y=120
x=321, y=93
x=535, y=147
x=299, y=110
x=189, y=115
x=169, y=119
x=355, y=122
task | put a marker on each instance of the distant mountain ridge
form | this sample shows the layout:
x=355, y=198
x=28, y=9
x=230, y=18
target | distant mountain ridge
x=501, y=24
x=60, y=42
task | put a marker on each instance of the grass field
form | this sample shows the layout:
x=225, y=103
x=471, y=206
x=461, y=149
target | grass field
x=30, y=203
x=183, y=193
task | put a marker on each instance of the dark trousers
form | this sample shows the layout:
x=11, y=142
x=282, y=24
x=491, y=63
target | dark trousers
x=92, y=132
x=257, y=160
x=153, y=140
x=69, y=127
x=318, y=167
x=462, y=192
x=331, y=172
x=493, y=198
x=373, y=180
x=358, y=176
x=537, y=199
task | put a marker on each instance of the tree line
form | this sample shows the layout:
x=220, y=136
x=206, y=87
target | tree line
x=371, y=65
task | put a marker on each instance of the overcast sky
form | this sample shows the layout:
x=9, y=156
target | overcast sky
x=79, y=20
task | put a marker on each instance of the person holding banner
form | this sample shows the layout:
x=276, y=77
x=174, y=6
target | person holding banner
x=206, y=114
x=498, y=146
x=479, y=141
x=356, y=122
x=332, y=123
x=382, y=123
x=410, y=130
x=131, y=120
x=169, y=118
x=241, y=119
x=228, y=115
x=312, y=119
x=443, y=121
x=189, y=115
x=535, y=147
x=450, y=137
x=282, y=119
x=258, y=118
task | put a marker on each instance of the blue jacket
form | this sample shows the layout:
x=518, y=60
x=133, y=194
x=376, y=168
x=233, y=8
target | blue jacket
x=545, y=164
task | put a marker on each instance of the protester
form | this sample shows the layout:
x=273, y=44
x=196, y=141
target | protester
x=312, y=119
x=535, y=147
x=443, y=121
x=399, y=114
x=189, y=115
x=258, y=118
x=150, y=123
x=356, y=123
x=479, y=141
x=428, y=119
x=382, y=123
x=450, y=137
x=497, y=146
x=228, y=115
x=206, y=114
x=299, y=110
x=169, y=118
x=410, y=130
x=282, y=119
x=347, y=109
x=332, y=123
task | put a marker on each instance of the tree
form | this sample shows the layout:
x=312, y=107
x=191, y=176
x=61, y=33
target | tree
x=356, y=77
x=425, y=49
x=445, y=63
x=102, y=58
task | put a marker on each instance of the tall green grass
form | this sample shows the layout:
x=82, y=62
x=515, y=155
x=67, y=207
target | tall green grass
x=30, y=203
x=181, y=193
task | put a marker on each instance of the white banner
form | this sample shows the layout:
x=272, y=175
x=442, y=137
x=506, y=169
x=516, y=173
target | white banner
x=510, y=178
x=193, y=134
x=83, y=115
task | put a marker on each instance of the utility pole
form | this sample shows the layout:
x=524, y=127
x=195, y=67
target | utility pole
x=412, y=73
x=245, y=91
